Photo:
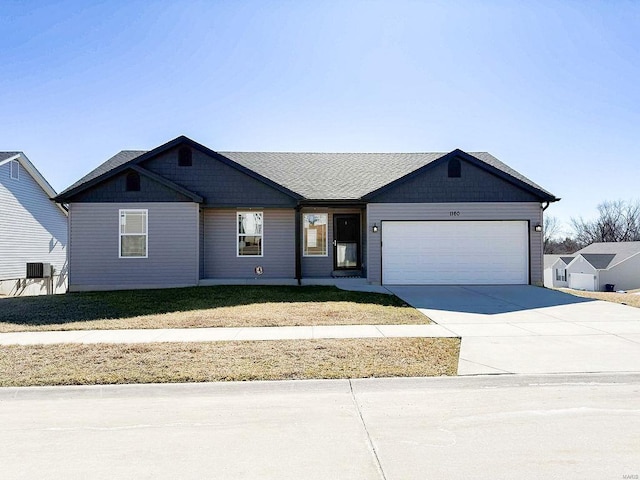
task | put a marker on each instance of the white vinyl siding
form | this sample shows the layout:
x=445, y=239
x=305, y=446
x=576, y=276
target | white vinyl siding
x=32, y=228
x=134, y=239
x=450, y=252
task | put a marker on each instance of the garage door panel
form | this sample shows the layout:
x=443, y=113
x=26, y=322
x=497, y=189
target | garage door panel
x=460, y=252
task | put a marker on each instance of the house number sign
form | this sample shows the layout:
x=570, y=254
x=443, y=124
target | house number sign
x=454, y=213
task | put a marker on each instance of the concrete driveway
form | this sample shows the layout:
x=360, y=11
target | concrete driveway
x=527, y=329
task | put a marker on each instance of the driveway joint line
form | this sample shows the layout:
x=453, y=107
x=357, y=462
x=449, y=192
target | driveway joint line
x=366, y=431
x=619, y=335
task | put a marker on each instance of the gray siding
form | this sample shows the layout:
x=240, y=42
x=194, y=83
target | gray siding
x=173, y=258
x=475, y=185
x=220, y=245
x=114, y=190
x=323, y=266
x=32, y=228
x=219, y=184
x=377, y=213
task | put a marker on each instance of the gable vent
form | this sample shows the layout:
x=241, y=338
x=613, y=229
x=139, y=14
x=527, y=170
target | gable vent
x=185, y=157
x=454, y=169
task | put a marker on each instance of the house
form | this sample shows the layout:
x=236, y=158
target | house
x=555, y=270
x=601, y=264
x=183, y=214
x=33, y=230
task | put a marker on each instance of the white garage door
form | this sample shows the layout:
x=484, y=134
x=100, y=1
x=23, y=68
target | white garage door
x=582, y=281
x=456, y=252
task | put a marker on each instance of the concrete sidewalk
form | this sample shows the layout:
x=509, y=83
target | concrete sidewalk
x=222, y=334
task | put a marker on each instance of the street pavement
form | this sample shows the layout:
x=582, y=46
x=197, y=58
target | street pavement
x=527, y=329
x=482, y=427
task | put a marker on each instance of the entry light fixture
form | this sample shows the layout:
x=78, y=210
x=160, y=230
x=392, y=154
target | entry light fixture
x=374, y=229
x=538, y=228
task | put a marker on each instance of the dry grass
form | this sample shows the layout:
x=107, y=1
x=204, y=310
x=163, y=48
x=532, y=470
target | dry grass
x=624, y=298
x=72, y=364
x=222, y=306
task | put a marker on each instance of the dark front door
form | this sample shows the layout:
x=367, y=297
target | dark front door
x=346, y=241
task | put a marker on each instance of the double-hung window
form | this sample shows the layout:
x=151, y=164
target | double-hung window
x=133, y=233
x=314, y=233
x=250, y=225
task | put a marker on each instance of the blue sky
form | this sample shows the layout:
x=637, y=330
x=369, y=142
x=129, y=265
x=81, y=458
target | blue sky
x=550, y=88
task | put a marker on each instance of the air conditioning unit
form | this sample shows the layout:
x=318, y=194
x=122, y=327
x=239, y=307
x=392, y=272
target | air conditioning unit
x=38, y=270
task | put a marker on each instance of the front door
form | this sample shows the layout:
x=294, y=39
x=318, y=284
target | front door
x=346, y=241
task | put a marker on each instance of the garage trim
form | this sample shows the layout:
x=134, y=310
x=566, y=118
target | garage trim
x=523, y=233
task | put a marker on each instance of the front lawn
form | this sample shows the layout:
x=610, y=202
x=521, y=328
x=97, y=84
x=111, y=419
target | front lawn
x=72, y=364
x=625, y=298
x=219, y=306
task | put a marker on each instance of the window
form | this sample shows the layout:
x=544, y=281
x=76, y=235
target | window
x=15, y=169
x=561, y=275
x=133, y=182
x=250, y=234
x=133, y=233
x=455, y=169
x=314, y=236
x=184, y=157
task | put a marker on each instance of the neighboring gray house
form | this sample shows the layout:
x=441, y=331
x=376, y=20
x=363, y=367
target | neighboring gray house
x=555, y=270
x=182, y=214
x=33, y=229
x=599, y=264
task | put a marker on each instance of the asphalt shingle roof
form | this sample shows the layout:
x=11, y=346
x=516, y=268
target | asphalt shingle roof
x=5, y=155
x=599, y=260
x=618, y=251
x=118, y=159
x=324, y=176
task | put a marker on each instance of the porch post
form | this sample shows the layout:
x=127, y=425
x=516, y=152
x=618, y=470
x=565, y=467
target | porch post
x=298, y=226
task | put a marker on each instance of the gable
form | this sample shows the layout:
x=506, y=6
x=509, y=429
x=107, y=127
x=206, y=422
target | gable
x=113, y=189
x=220, y=184
x=433, y=185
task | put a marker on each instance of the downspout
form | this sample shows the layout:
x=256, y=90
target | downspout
x=298, y=242
x=544, y=205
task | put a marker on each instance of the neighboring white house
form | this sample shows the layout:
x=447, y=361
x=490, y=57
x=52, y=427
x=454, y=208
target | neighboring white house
x=555, y=270
x=33, y=229
x=600, y=264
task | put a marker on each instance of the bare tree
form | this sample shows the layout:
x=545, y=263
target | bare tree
x=618, y=221
x=550, y=228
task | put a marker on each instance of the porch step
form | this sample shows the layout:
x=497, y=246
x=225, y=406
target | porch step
x=346, y=274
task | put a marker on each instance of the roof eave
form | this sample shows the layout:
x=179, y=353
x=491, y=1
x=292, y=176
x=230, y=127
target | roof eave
x=67, y=194
x=37, y=176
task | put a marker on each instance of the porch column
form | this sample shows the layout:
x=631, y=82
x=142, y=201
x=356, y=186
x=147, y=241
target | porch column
x=298, y=226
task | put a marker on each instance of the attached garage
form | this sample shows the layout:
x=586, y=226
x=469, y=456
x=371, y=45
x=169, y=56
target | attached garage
x=583, y=281
x=455, y=252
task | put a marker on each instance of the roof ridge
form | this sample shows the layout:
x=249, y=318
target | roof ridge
x=337, y=153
